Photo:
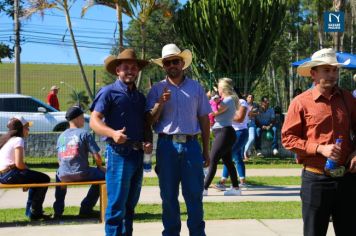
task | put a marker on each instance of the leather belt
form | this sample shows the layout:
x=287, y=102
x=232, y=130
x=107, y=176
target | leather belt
x=7, y=169
x=178, y=137
x=314, y=170
x=135, y=145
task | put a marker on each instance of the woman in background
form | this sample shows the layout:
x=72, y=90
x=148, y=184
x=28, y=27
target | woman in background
x=224, y=137
x=13, y=169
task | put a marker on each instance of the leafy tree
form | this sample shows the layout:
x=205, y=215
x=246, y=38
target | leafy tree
x=158, y=32
x=230, y=36
x=5, y=51
x=39, y=6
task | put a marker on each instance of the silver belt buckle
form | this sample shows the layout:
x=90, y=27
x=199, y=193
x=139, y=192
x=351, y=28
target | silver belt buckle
x=179, y=138
x=338, y=172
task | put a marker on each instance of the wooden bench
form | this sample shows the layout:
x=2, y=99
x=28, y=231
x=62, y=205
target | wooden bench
x=101, y=183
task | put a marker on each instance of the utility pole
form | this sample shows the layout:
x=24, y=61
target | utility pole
x=17, y=75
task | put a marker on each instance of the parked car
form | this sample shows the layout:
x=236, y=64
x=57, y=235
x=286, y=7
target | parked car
x=45, y=118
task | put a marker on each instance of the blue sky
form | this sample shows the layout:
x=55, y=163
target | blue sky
x=46, y=40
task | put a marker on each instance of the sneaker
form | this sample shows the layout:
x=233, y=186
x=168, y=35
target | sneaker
x=275, y=152
x=243, y=185
x=88, y=214
x=259, y=154
x=233, y=192
x=220, y=186
x=205, y=192
x=41, y=216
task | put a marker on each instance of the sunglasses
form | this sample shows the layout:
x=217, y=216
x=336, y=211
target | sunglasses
x=174, y=62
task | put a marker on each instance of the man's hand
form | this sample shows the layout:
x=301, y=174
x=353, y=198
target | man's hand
x=147, y=147
x=331, y=151
x=119, y=136
x=352, y=157
x=166, y=95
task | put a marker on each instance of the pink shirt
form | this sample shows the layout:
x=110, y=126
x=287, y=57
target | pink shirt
x=7, y=152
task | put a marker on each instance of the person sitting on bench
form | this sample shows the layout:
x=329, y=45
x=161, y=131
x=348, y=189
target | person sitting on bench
x=13, y=169
x=73, y=147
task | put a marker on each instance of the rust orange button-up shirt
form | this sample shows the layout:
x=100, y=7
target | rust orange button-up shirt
x=313, y=119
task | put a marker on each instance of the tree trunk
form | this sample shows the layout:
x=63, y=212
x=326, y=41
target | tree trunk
x=143, y=53
x=120, y=26
x=69, y=23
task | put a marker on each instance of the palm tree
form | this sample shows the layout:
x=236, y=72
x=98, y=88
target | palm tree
x=142, y=12
x=139, y=10
x=121, y=7
x=39, y=6
x=79, y=98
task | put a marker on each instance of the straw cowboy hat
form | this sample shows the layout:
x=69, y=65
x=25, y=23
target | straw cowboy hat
x=171, y=50
x=111, y=62
x=326, y=56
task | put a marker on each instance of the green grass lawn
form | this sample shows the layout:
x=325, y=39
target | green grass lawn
x=254, y=180
x=37, y=79
x=153, y=212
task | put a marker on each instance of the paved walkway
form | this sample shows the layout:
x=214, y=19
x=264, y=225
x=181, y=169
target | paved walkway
x=249, y=172
x=213, y=228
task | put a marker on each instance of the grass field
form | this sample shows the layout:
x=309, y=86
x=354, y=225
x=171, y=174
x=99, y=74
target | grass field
x=36, y=79
x=153, y=212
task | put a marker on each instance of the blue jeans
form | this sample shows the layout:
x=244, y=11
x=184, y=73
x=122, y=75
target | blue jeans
x=237, y=154
x=36, y=196
x=89, y=201
x=251, y=138
x=180, y=162
x=259, y=132
x=123, y=180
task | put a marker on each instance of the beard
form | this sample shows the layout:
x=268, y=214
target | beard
x=174, y=73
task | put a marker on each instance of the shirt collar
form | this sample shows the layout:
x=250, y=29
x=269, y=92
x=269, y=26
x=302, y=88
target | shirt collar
x=121, y=85
x=185, y=80
x=316, y=94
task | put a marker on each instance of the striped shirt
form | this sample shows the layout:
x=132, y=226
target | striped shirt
x=180, y=113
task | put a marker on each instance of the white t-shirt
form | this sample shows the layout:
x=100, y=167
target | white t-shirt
x=243, y=124
x=7, y=152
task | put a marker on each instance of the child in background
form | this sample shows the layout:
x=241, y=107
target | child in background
x=214, y=103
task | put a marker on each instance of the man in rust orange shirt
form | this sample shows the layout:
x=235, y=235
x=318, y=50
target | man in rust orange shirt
x=315, y=119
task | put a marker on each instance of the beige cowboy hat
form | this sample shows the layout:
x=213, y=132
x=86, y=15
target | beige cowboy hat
x=111, y=62
x=171, y=50
x=54, y=87
x=325, y=56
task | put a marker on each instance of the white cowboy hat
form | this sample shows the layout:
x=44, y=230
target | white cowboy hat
x=171, y=50
x=54, y=87
x=325, y=56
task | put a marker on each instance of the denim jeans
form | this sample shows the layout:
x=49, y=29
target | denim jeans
x=180, y=162
x=93, y=194
x=259, y=132
x=123, y=181
x=237, y=154
x=251, y=137
x=36, y=196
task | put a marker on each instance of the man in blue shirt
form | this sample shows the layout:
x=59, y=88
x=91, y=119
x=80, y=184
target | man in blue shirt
x=179, y=109
x=118, y=114
x=73, y=147
x=265, y=122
